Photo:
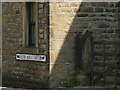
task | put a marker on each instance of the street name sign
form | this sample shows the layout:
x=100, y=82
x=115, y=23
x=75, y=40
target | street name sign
x=31, y=57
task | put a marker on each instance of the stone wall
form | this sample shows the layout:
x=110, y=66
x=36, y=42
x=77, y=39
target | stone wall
x=0, y=44
x=28, y=74
x=69, y=18
x=65, y=19
x=62, y=41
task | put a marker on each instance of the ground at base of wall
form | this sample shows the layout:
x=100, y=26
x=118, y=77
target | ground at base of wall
x=6, y=88
x=80, y=87
x=92, y=87
x=88, y=87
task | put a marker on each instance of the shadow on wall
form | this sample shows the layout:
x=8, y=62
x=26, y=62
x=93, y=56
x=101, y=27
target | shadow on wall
x=67, y=20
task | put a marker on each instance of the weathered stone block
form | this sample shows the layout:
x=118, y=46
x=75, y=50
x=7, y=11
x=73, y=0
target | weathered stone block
x=43, y=46
x=98, y=9
x=111, y=10
x=82, y=15
x=53, y=57
x=87, y=9
x=89, y=4
x=75, y=4
x=66, y=10
x=103, y=25
x=103, y=4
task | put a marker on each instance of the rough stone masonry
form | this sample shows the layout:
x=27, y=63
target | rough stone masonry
x=65, y=20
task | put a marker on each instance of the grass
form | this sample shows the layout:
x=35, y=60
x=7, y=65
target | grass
x=71, y=83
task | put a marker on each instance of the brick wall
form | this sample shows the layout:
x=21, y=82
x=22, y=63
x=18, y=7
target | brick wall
x=29, y=74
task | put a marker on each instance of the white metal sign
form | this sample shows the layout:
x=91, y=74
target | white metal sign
x=31, y=57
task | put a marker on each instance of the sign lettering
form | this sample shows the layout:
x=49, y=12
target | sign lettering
x=31, y=57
